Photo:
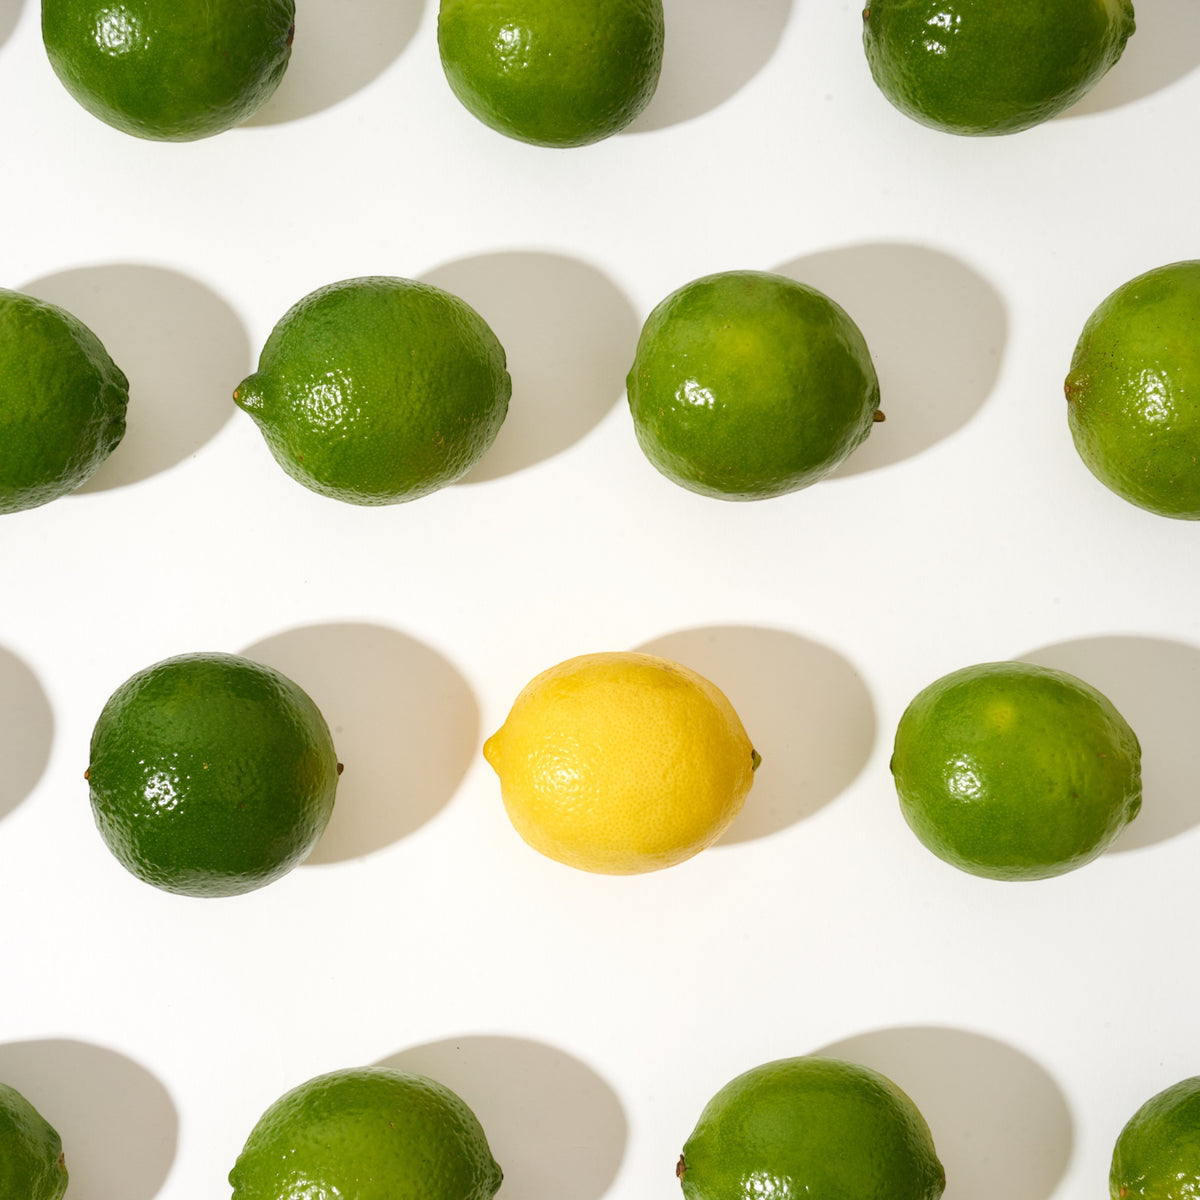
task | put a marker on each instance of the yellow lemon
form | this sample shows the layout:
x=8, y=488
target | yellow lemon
x=621, y=762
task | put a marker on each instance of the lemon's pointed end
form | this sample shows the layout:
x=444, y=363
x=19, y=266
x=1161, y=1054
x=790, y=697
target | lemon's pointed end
x=491, y=750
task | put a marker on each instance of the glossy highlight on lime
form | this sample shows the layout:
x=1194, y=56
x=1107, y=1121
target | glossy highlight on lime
x=32, y=1163
x=62, y=402
x=991, y=66
x=1133, y=391
x=552, y=72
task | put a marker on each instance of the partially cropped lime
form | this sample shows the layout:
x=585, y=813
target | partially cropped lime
x=211, y=775
x=62, y=402
x=170, y=70
x=1015, y=771
x=371, y=1133
x=552, y=72
x=1133, y=391
x=812, y=1127
x=32, y=1165
x=991, y=66
x=1157, y=1155
x=747, y=385
x=378, y=390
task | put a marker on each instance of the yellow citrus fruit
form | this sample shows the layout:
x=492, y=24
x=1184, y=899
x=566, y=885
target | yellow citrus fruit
x=621, y=762
x=1157, y=1155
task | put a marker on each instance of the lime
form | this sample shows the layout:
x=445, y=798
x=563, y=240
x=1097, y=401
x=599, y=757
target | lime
x=62, y=402
x=1133, y=391
x=1157, y=1155
x=747, y=385
x=378, y=390
x=621, y=762
x=1014, y=771
x=815, y=1127
x=371, y=1133
x=172, y=70
x=31, y=1155
x=211, y=775
x=552, y=72
x=991, y=66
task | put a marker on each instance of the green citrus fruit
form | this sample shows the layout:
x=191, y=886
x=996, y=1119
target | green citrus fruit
x=371, y=1133
x=172, y=70
x=1014, y=771
x=991, y=66
x=31, y=1154
x=1157, y=1155
x=62, y=402
x=211, y=775
x=378, y=390
x=1133, y=391
x=812, y=1127
x=747, y=385
x=552, y=72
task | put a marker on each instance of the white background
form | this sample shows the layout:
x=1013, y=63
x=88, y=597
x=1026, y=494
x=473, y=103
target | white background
x=588, y=1019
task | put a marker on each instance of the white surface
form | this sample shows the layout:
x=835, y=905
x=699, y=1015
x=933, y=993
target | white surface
x=588, y=1019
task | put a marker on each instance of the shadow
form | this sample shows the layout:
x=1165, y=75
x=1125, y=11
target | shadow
x=1155, y=685
x=404, y=721
x=1000, y=1123
x=1164, y=48
x=569, y=335
x=118, y=1125
x=182, y=347
x=712, y=49
x=806, y=709
x=338, y=50
x=555, y=1127
x=936, y=331
x=26, y=734
x=10, y=14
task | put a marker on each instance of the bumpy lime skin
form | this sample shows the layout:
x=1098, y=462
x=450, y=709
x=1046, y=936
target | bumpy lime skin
x=62, y=402
x=211, y=775
x=747, y=385
x=367, y=1134
x=428, y=409
x=32, y=1166
x=1157, y=1155
x=1133, y=391
x=169, y=70
x=981, y=67
x=811, y=1128
x=1013, y=771
x=556, y=73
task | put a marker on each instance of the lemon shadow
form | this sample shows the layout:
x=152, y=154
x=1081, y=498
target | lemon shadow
x=555, y=1127
x=26, y=734
x=804, y=706
x=1000, y=1123
x=10, y=14
x=405, y=724
x=1155, y=685
x=182, y=347
x=712, y=49
x=1164, y=48
x=936, y=331
x=569, y=335
x=118, y=1124
x=340, y=47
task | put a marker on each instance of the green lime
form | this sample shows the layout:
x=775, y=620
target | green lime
x=1014, y=771
x=31, y=1154
x=211, y=775
x=172, y=70
x=62, y=402
x=552, y=72
x=747, y=385
x=1157, y=1155
x=820, y=1128
x=1133, y=391
x=991, y=66
x=371, y=1133
x=378, y=390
